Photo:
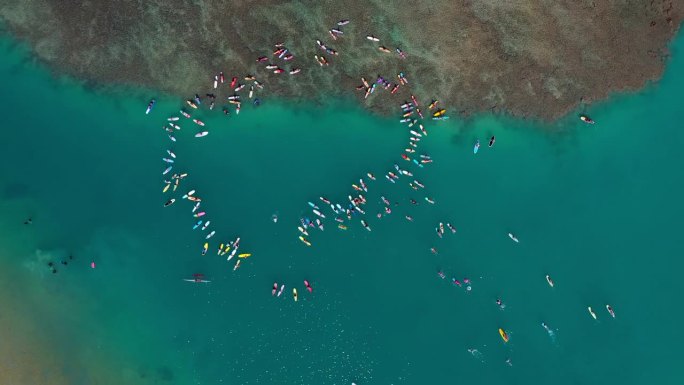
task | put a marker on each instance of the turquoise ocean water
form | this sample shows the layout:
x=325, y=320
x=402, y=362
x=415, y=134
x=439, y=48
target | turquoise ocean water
x=596, y=207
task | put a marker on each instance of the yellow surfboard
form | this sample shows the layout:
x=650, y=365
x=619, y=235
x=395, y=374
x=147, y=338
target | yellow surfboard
x=503, y=335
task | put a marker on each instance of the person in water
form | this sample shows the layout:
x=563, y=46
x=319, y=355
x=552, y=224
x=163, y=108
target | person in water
x=29, y=221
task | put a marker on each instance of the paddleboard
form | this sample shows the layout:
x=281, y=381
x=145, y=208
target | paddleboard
x=593, y=315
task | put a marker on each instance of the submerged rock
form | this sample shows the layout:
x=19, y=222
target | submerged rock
x=524, y=58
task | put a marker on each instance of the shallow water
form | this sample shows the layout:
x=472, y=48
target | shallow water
x=596, y=207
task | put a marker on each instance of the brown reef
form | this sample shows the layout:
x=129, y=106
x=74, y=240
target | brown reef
x=535, y=58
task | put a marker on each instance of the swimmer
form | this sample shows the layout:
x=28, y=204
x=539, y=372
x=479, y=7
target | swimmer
x=610, y=310
x=456, y=282
x=409, y=218
x=441, y=274
x=501, y=304
x=274, y=218
x=29, y=221
x=308, y=286
x=452, y=228
x=413, y=201
x=275, y=288
x=434, y=251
